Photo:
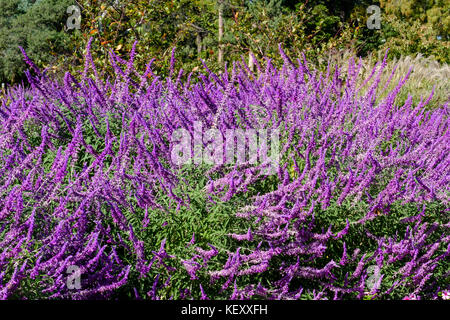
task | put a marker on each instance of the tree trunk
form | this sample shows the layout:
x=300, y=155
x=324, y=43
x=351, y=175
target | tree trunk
x=220, y=55
x=251, y=63
x=198, y=42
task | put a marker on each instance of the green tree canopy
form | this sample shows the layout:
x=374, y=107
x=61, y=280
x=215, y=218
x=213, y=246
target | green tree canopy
x=37, y=26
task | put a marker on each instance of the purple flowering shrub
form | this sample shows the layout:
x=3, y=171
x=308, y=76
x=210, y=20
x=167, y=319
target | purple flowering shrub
x=357, y=208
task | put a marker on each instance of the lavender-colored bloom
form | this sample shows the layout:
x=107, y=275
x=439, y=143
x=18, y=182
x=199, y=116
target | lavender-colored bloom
x=86, y=192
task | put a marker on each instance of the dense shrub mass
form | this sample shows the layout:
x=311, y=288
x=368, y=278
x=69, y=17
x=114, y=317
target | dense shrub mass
x=357, y=209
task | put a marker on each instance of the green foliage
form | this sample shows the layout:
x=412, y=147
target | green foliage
x=37, y=26
x=210, y=225
x=158, y=26
x=412, y=26
x=312, y=27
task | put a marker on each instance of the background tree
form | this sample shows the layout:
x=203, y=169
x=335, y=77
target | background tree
x=37, y=26
x=313, y=27
x=417, y=26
